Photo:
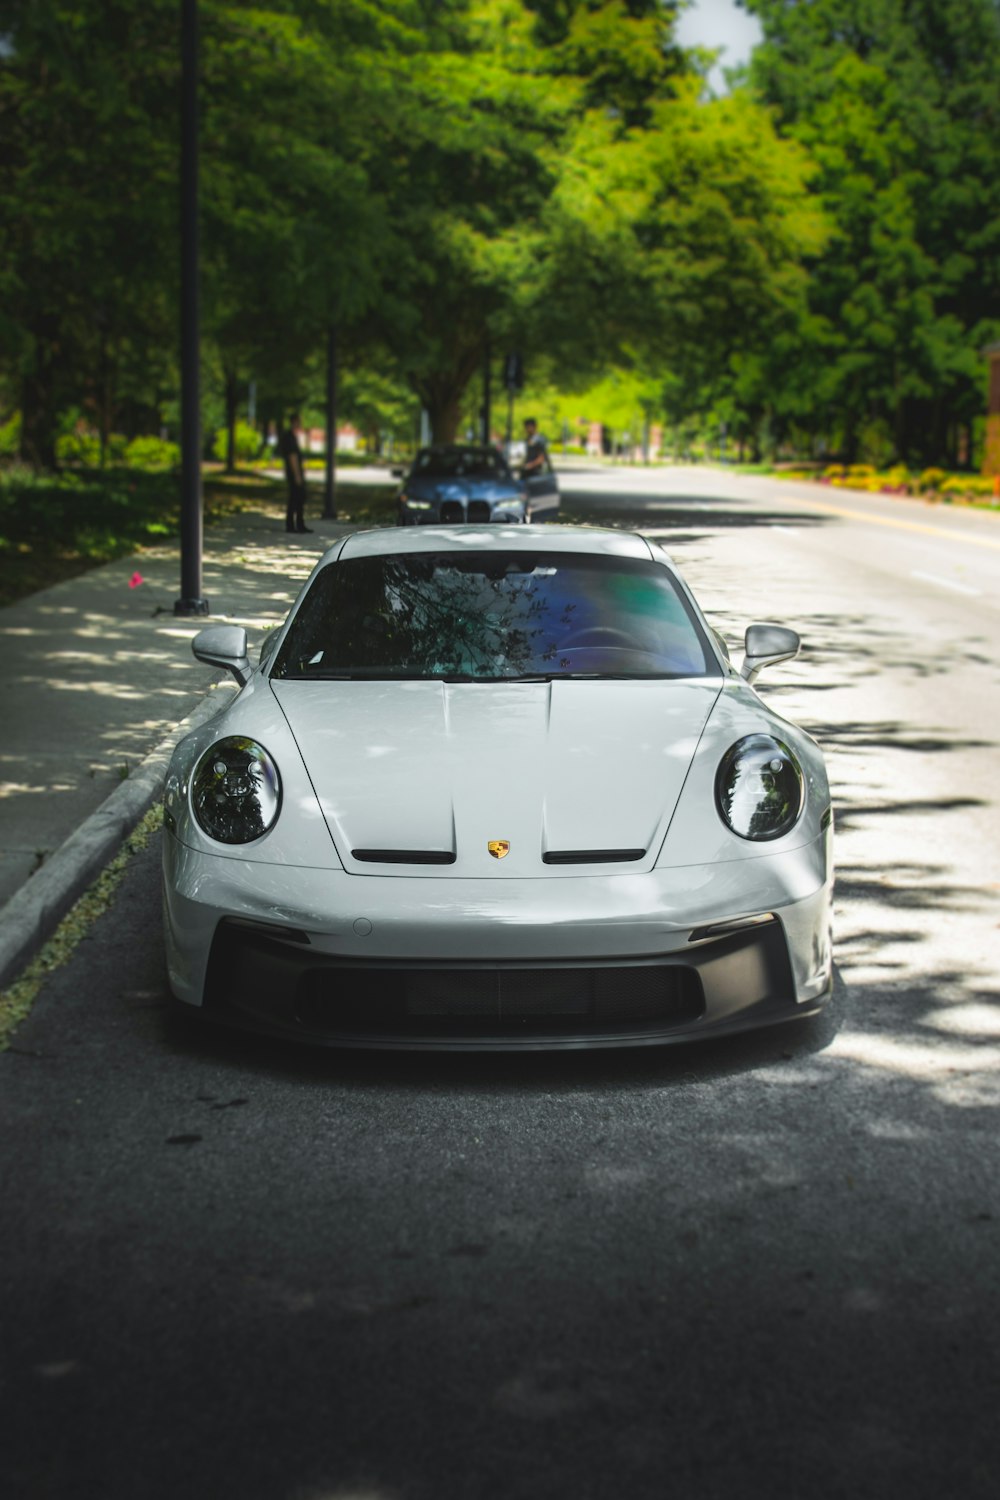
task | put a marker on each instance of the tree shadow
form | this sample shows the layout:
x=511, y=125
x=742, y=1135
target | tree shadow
x=697, y=515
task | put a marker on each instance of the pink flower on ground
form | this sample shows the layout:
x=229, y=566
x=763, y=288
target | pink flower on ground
x=135, y=580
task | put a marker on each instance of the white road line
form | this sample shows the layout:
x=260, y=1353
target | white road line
x=946, y=583
x=785, y=530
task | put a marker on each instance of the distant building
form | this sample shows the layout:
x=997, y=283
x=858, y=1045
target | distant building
x=314, y=439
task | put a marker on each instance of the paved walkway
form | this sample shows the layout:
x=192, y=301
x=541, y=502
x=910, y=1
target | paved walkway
x=96, y=672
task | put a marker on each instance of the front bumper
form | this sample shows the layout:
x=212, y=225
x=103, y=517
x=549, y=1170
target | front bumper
x=670, y=955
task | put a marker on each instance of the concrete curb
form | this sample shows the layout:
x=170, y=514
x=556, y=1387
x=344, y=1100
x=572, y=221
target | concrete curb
x=32, y=915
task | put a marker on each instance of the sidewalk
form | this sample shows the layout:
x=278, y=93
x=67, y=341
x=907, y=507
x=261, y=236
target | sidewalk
x=95, y=673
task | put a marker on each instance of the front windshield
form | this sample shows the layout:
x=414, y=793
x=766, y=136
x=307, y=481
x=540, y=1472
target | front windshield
x=459, y=463
x=488, y=616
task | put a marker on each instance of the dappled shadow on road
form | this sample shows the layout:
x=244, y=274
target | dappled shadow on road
x=933, y=1032
x=564, y=1071
x=770, y=1255
x=666, y=516
x=843, y=650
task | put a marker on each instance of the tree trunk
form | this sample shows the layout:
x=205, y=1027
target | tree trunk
x=38, y=438
x=445, y=414
x=443, y=392
x=231, y=422
x=104, y=399
x=330, y=485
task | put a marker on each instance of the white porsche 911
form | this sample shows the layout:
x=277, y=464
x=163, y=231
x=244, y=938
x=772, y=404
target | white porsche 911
x=497, y=787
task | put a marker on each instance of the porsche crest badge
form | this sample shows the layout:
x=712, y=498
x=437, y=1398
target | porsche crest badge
x=499, y=848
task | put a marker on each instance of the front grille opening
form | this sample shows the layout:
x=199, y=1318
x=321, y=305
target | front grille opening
x=266, y=973
x=418, y=1001
x=479, y=510
x=452, y=511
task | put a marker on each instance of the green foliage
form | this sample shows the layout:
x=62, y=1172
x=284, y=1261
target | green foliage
x=10, y=437
x=897, y=103
x=931, y=479
x=152, y=453
x=246, y=442
x=688, y=237
x=78, y=448
x=52, y=528
x=816, y=256
x=78, y=445
x=87, y=195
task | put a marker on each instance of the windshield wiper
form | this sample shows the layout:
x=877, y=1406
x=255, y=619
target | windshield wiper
x=319, y=674
x=322, y=674
x=471, y=677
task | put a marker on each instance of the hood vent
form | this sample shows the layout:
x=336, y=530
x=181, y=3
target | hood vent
x=404, y=856
x=592, y=856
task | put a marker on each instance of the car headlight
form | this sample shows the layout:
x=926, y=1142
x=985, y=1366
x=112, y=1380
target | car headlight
x=508, y=504
x=759, y=789
x=235, y=791
x=415, y=504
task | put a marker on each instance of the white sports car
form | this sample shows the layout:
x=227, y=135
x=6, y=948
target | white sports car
x=497, y=787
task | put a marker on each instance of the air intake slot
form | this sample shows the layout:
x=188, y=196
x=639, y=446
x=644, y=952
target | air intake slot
x=592, y=856
x=403, y=856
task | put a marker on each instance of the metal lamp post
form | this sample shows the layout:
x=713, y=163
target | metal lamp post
x=191, y=601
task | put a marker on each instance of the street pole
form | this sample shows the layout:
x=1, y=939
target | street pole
x=329, y=494
x=191, y=601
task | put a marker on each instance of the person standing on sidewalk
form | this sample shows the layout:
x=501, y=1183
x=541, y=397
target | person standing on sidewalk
x=536, y=453
x=295, y=475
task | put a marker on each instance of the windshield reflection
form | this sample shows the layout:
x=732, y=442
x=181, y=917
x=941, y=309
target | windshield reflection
x=485, y=616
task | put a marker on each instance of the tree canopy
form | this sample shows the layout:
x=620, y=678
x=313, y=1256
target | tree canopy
x=431, y=179
x=898, y=106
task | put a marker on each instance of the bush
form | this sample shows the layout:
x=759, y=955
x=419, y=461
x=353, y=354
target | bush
x=246, y=442
x=10, y=437
x=931, y=479
x=152, y=453
x=79, y=447
x=898, y=479
x=82, y=446
x=976, y=486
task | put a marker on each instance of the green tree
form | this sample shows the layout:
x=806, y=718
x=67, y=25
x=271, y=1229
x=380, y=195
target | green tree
x=671, y=247
x=898, y=105
x=87, y=206
x=292, y=228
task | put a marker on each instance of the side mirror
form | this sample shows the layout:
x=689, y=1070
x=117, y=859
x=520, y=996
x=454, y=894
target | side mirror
x=766, y=645
x=224, y=646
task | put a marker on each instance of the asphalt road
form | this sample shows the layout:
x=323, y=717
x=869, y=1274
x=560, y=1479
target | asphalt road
x=770, y=1265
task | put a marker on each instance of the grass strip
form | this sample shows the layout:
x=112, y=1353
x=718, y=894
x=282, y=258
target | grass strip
x=17, y=1001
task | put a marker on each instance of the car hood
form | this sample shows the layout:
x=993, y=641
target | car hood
x=418, y=768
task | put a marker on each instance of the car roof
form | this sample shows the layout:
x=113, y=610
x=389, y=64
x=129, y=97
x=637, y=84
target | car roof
x=503, y=538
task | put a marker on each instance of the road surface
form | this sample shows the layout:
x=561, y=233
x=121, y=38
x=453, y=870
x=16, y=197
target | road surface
x=766, y=1265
